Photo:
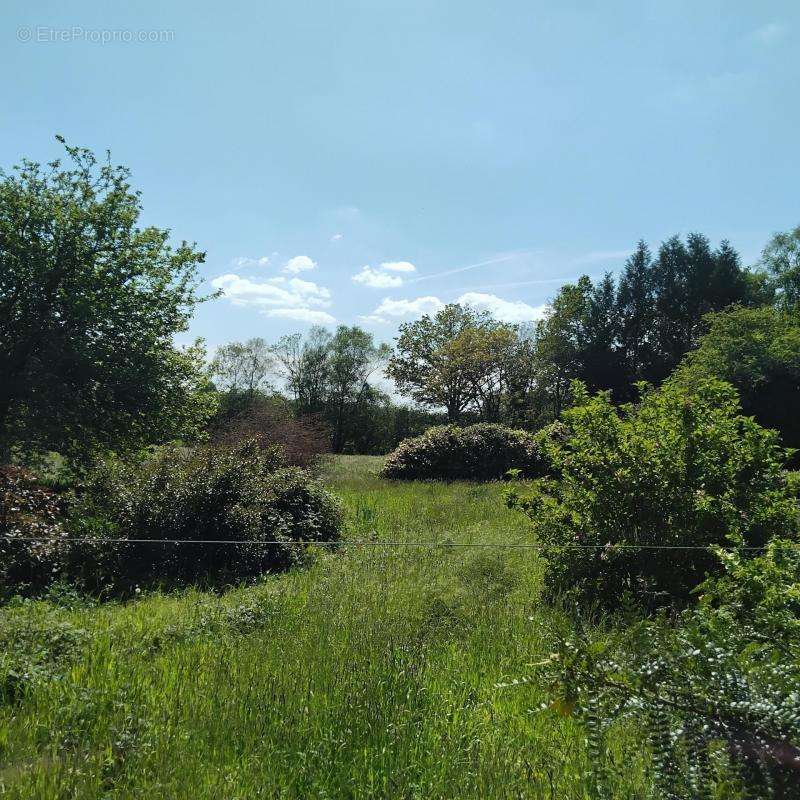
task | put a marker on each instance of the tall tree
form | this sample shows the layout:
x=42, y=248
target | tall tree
x=484, y=354
x=520, y=409
x=670, y=319
x=304, y=365
x=428, y=367
x=353, y=358
x=635, y=298
x=560, y=346
x=781, y=260
x=691, y=280
x=243, y=367
x=601, y=360
x=89, y=307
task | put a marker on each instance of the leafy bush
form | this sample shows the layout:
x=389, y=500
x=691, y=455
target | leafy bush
x=28, y=511
x=480, y=452
x=716, y=694
x=675, y=470
x=241, y=494
x=33, y=643
x=758, y=351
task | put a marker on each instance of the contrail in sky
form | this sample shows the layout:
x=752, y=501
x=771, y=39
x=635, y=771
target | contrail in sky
x=464, y=269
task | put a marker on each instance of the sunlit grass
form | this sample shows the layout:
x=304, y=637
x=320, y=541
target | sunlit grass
x=372, y=673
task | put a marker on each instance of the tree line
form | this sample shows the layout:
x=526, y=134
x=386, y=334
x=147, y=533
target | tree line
x=614, y=333
x=323, y=379
x=465, y=366
x=90, y=303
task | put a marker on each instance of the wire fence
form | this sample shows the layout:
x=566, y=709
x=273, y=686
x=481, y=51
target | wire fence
x=389, y=543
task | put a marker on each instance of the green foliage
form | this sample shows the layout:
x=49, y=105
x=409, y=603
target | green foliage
x=481, y=452
x=676, y=470
x=89, y=307
x=758, y=351
x=327, y=375
x=781, y=260
x=241, y=493
x=716, y=693
x=464, y=361
x=369, y=675
x=243, y=368
x=612, y=334
x=352, y=357
x=32, y=649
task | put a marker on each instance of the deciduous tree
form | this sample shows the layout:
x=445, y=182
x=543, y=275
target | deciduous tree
x=429, y=367
x=89, y=307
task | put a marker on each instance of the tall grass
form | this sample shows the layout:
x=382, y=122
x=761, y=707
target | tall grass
x=370, y=674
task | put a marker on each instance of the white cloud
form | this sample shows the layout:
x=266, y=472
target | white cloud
x=404, y=308
x=376, y=279
x=244, y=292
x=278, y=297
x=303, y=315
x=770, y=34
x=299, y=264
x=337, y=237
x=381, y=278
x=309, y=290
x=398, y=266
x=513, y=311
x=246, y=261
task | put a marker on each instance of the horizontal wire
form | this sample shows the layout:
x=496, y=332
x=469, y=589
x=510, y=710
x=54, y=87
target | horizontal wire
x=390, y=543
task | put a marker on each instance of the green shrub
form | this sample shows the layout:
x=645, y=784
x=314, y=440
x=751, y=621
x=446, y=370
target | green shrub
x=715, y=695
x=240, y=494
x=676, y=470
x=757, y=350
x=482, y=452
x=33, y=643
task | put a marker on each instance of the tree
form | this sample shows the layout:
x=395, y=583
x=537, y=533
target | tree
x=781, y=260
x=353, y=357
x=243, y=367
x=520, y=409
x=485, y=356
x=89, y=307
x=560, y=342
x=635, y=298
x=601, y=356
x=327, y=376
x=304, y=366
x=428, y=366
x=758, y=351
x=690, y=280
x=611, y=335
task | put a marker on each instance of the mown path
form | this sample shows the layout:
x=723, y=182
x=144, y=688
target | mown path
x=371, y=674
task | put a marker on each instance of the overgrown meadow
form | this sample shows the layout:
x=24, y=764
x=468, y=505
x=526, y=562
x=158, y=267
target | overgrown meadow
x=373, y=673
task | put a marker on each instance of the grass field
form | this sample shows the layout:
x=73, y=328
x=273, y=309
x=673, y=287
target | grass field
x=370, y=674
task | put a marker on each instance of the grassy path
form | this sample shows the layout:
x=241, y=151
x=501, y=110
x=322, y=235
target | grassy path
x=372, y=674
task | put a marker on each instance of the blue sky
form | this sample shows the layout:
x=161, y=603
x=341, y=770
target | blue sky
x=362, y=162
